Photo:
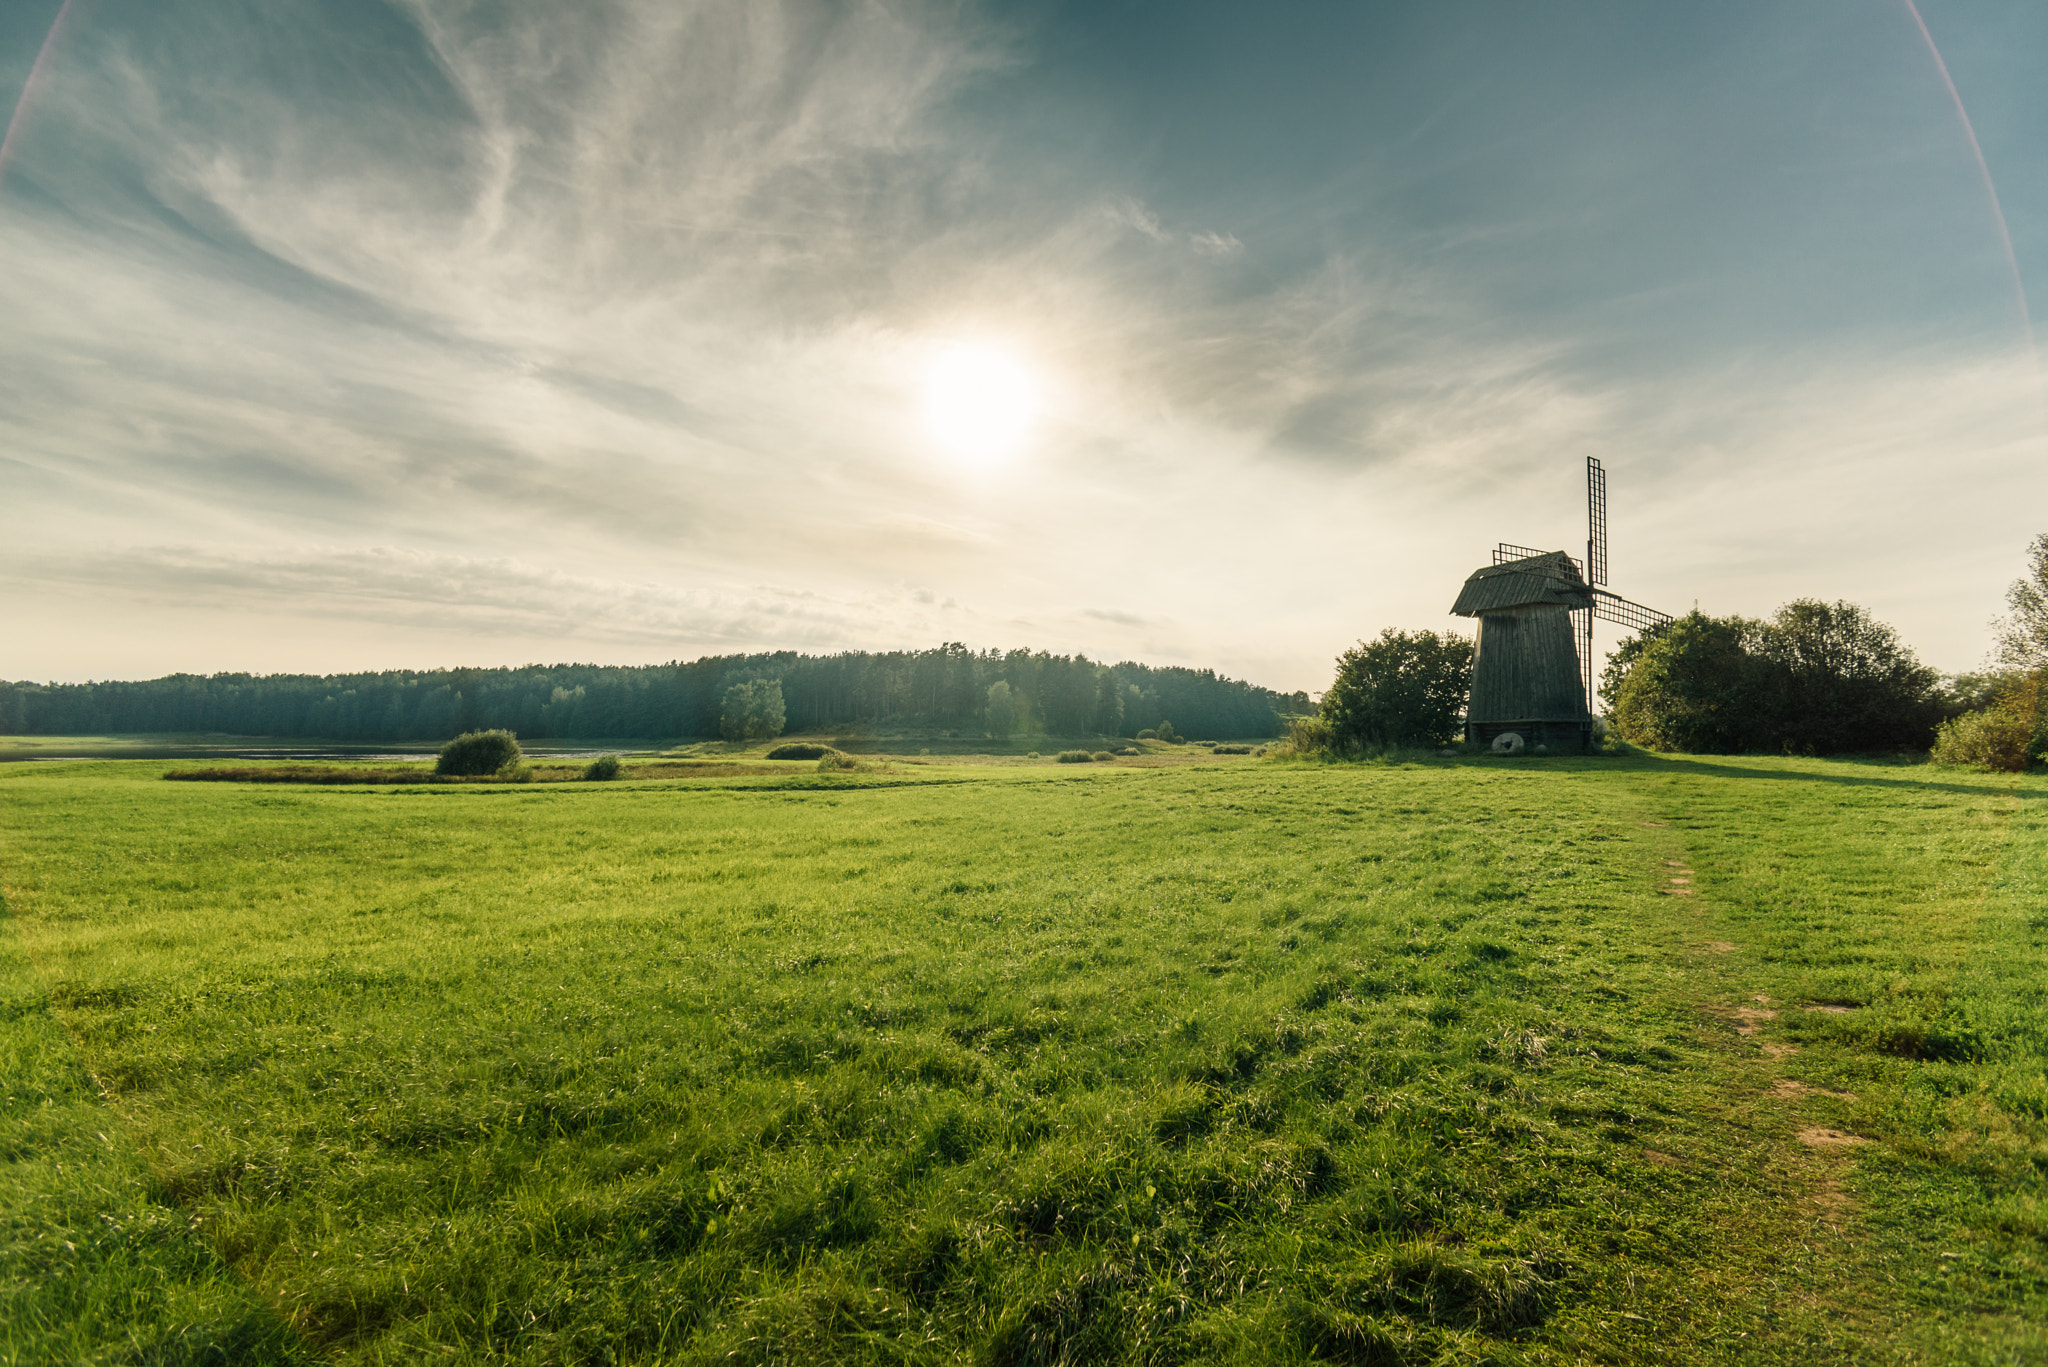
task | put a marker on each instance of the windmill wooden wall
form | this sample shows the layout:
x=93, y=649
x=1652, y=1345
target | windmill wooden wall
x=1525, y=670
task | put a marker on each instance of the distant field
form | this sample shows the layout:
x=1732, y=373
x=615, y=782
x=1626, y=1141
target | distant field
x=1605, y=1060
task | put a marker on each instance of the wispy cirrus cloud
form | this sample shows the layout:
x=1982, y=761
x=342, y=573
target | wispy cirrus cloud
x=467, y=598
x=627, y=306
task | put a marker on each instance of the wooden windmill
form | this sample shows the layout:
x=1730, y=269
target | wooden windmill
x=1532, y=673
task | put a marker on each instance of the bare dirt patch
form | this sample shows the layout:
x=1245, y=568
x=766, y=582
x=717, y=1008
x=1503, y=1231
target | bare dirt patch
x=1662, y=1160
x=1787, y=1088
x=1748, y=1020
x=1831, y=1008
x=1717, y=947
x=1779, y=1050
x=1821, y=1137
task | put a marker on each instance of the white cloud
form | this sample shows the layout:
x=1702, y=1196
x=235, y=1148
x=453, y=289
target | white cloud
x=462, y=596
x=593, y=319
x=1130, y=213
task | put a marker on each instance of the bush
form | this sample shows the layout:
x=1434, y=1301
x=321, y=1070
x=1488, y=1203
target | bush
x=802, y=749
x=1686, y=686
x=603, y=768
x=833, y=762
x=1233, y=749
x=1130, y=750
x=1994, y=739
x=1166, y=733
x=1399, y=689
x=1103, y=755
x=1816, y=678
x=1073, y=757
x=515, y=771
x=1845, y=682
x=2003, y=737
x=1148, y=734
x=1308, y=735
x=474, y=753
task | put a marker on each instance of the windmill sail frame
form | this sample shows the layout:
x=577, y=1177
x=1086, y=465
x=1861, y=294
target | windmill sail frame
x=1592, y=574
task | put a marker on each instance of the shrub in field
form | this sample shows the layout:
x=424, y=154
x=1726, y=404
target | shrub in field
x=1233, y=749
x=802, y=749
x=1130, y=750
x=1073, y=757
x=1167, y=733
x=601, y=769
x=833, y=762
x=2005, y=736
x=1148, y=734
x=1308, y=735
x=1815, y=678
x=1844, y=681
x=1398, y=689
x=1992, y=739
x=1687, y=686
x=476, y=753
x=1104, y=755
x=515, y=771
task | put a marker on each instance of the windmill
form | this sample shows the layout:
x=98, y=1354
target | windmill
x=1532, y=670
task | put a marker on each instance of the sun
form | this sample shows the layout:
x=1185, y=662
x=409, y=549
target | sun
x=978, y=402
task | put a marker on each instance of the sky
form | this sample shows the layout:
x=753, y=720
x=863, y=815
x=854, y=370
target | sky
x=342, y=335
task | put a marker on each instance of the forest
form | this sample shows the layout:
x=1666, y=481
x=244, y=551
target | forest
x=945, y=689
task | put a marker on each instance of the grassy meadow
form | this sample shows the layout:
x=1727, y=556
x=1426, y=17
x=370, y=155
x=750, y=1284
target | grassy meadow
x=1600, y=1060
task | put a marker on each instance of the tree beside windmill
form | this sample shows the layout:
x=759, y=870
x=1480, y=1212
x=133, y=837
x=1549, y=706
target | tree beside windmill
x=1532, y=677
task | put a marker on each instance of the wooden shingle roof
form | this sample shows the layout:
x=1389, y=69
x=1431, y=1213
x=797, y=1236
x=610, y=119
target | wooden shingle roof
x=1541, y=579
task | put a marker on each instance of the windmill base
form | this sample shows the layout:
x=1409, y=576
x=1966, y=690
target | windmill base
x=1551, y=735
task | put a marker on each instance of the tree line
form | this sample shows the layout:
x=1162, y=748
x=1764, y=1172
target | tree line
x=945, y=689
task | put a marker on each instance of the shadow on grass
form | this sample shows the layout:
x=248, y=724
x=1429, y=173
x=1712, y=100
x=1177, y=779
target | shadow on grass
x=1689, y=764
x=1730, y=766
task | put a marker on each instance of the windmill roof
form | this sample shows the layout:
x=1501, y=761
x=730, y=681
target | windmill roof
x=1539, y=579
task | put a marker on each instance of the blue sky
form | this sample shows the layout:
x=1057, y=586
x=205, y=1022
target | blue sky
x=354, y=336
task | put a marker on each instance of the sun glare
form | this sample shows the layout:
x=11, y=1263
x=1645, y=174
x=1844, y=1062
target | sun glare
x=978, y=402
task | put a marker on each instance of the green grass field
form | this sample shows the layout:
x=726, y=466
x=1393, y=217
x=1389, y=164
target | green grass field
x=1604, y=1060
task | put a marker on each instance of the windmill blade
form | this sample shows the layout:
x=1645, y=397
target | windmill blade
x=1612, y=607
x=1596, y=521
